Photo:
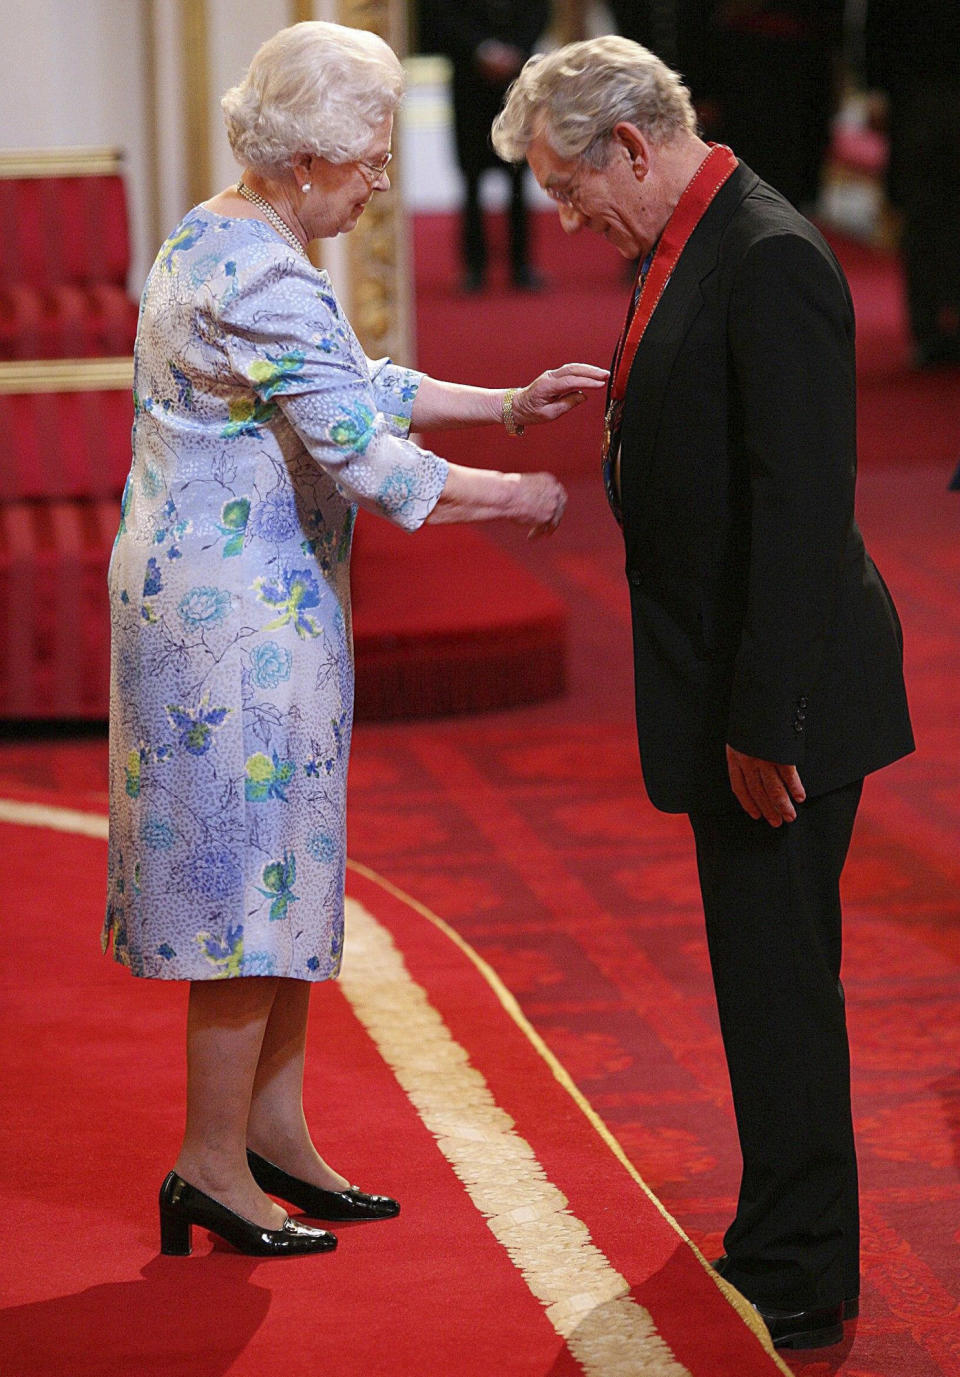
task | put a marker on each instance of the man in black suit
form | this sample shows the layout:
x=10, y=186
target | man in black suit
x=487, y=42
x=768, y=652
x=913, y=56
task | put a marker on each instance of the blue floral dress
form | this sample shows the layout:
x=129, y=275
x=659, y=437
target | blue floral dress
x=260, y=426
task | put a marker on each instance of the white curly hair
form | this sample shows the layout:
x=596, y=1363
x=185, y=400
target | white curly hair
x=315, y=87
x=576, y=95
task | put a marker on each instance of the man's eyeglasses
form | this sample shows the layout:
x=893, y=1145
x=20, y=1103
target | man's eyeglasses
x=376, y=170
x=568, y=195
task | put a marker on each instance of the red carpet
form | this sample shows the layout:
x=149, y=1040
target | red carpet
x=531, y=833
x=502, y=1276
x=448, y=623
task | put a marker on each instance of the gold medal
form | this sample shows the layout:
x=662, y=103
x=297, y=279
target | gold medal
x=611, y=425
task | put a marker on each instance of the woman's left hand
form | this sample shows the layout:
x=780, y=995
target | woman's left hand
x=556, y=391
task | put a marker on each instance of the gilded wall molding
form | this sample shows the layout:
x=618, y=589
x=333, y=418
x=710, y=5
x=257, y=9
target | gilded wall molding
x=378, y=250
x=196, y=94
x=114, y=374
x=60, y=162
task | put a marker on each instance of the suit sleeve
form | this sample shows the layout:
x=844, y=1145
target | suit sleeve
x=791, y=342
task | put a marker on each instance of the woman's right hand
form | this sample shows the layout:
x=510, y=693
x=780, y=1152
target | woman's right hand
x=534, y=500
x=539, y=502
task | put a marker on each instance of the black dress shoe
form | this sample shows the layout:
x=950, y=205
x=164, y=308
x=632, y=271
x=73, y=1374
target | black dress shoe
x=527, y=279
x=341, y=1206
x=804, y=1328
x=182, y=1206
x=850, y=1307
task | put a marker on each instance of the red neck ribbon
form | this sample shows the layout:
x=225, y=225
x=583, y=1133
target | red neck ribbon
x=709, y=177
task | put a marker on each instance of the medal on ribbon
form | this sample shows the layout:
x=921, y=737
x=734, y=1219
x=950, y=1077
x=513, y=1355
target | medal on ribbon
x=611, y=454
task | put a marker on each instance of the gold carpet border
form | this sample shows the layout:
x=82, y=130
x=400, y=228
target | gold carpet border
x=56, y=819
x=603, y=1322
x=511, y=1007
x=585, y=1298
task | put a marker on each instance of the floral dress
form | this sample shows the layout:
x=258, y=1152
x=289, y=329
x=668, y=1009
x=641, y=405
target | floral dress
x=260, y=426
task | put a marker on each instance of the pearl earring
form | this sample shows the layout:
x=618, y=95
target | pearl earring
x=306, y=187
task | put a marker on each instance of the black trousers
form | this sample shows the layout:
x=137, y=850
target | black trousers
x=476, y=103
x=473, y=239
x=771, y=900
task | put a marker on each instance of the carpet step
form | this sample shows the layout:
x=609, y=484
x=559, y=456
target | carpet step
x=446, y=623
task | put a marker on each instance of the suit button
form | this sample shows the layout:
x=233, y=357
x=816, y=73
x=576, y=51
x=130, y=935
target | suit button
x=801, y=703
x=634, y=578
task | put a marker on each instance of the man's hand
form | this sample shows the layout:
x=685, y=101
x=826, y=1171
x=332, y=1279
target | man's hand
x=763, y=788
x=498, y=62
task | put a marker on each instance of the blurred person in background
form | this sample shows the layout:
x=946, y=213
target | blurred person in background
x=487, y=42
x=771, y=86
x=762, y=74
x=913, y=58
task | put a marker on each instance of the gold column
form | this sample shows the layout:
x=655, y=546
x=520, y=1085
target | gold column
x=196, y=79
x=378, y=250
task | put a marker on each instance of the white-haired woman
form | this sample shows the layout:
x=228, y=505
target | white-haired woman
x=260, y=427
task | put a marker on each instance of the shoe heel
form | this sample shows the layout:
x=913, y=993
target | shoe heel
x=175, y=1235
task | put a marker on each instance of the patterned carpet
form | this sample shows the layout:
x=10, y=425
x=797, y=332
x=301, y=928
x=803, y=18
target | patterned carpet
x=529, y=833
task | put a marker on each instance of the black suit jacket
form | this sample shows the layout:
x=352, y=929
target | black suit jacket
x=758, y=618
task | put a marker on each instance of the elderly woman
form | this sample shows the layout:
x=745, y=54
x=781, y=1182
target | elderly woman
x=260, y=427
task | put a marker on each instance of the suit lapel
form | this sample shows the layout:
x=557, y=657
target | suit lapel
x=678, y=308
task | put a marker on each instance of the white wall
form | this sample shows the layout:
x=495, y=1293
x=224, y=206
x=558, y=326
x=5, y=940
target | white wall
x=71, y=73
x=231, y=46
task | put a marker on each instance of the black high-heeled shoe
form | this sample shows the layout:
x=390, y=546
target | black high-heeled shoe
x=182, y=1206
x=336, y=1206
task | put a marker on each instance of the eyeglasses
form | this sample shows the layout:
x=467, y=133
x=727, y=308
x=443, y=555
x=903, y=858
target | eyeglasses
x=376, y=169
x=568, y=196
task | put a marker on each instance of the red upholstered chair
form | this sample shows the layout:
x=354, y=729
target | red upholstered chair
x=64, y=255
x=67, y=327
x=65, y=320
x=444, y=624
x=53, y=607
x=64, y=455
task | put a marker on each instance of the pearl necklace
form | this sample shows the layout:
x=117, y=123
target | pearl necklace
x=273, y=216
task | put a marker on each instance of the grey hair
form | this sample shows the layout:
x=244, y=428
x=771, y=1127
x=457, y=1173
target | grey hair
x=316, y=88
x=576, y=95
